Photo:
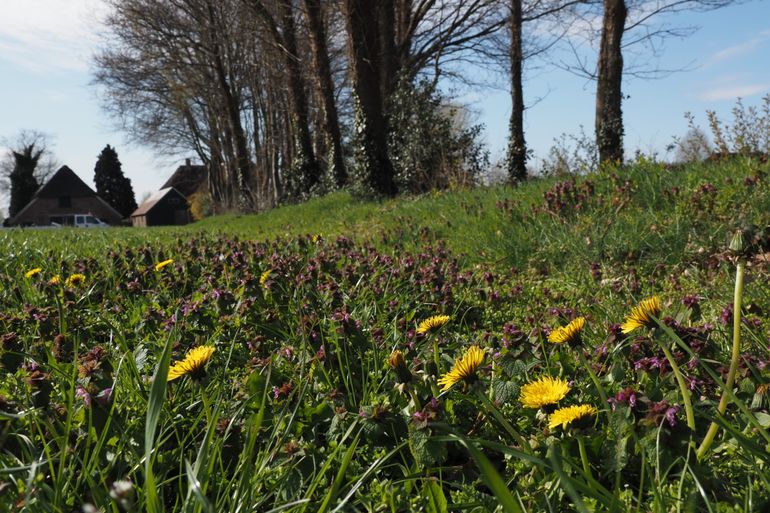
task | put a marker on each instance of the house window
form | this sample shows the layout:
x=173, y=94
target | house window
x=65, y=201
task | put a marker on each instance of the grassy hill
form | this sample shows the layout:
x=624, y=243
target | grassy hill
x=559, y=346
x=646, y=212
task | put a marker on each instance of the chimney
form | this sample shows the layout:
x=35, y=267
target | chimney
x=187, y=162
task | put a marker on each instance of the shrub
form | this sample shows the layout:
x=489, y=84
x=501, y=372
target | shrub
x=431, y=143
x=200, y=205
x=571, y=154
x=749, y=132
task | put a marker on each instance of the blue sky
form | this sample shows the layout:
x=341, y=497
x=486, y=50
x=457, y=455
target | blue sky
x=45, y=48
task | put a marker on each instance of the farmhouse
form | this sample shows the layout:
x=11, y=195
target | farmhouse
x=167, y=206
x=61, y=197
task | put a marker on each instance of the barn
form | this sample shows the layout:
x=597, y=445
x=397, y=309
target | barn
x=188, y=179
x=166, y=207
x=60, y=198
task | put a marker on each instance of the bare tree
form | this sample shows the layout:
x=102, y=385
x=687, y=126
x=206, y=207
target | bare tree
x=364, y=30
x=172, y=75
x=282, y=29
x=609, y=113
x=527, y=38
x=517, y=146
x=626, y=25
x=257, y=88
x=325, y=84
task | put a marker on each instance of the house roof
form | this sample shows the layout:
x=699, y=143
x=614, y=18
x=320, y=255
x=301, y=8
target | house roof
x=64, y=183
x=154, y=199
x=187, y=179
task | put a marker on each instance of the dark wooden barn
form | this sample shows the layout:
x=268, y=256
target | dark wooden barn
x=60, y=198
x=166, y=207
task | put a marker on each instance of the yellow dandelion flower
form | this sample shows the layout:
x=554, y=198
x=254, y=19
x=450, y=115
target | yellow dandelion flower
x=544, y=391
x=642, y=315
x=75, y=279
x=55, y=280
x=161, y=265
x=567, y=334
x=193, y=363
x=264, y=276
x=564, y=416
x=432, y=323
x=32, y=272
x=464, y=368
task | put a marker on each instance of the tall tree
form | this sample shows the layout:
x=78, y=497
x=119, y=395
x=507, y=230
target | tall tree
x=284, y=34
x=557, y=16
x=111, y=184
x=517, y=146
x=609, y=95
x=325, y=86
x=626, y=24
x=364, y=30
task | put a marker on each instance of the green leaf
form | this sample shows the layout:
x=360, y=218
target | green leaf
x=435, y=500
x=504, y=390
x=426, y=451
x=493, y=479
x=763, y=419
x=154, y=407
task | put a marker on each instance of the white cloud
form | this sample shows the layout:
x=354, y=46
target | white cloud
x=733, y=92
x=41, y=35
x=740, y=49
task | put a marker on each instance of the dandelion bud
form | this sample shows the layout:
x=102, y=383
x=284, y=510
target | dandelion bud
x=397, y=362
x=736, y=243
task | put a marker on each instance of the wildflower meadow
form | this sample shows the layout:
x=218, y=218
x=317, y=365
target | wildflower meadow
x=594, y=343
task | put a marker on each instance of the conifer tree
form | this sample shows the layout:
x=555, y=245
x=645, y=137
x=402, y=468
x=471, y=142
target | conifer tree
x=113, y=187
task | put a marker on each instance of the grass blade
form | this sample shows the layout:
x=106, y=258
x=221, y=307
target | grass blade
x=154, y=406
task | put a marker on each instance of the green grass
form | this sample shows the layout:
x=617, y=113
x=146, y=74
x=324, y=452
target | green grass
x=476, y=225
x=300, y=409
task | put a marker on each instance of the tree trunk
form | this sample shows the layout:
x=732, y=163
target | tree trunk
x=233, y=108
x=370, y=120
x=325, y=85
x=609, y=98
x=387, y=45
x=308, y=167
x=517, y=146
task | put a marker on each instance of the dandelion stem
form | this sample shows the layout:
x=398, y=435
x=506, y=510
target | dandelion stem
x=205, y=401
x=436, y=359
x=682, y=388
x=584, y=457
x=641, y=481
x=491, y=408
x=593, y=376
x=736, y=356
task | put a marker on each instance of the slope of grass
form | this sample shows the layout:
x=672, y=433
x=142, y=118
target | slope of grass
x=645, y=211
